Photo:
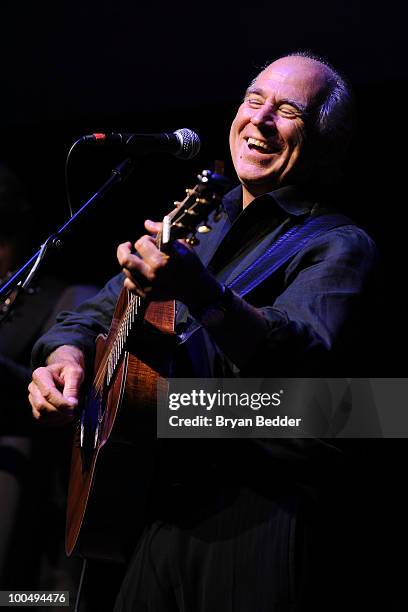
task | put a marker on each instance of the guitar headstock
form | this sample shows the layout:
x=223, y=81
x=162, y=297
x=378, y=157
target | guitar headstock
x=191, y=215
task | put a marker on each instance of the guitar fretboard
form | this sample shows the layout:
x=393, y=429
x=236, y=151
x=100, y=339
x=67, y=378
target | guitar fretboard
x=125, y=327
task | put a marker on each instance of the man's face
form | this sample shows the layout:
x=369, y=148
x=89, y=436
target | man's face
x=268, y=134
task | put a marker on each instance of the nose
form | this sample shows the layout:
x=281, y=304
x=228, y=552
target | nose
x=264, y=117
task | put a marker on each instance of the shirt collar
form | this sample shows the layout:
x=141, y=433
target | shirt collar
x=291, y=199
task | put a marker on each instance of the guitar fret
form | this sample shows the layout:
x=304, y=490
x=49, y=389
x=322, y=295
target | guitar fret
x=124, y=329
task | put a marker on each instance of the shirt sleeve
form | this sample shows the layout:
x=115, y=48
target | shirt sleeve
x=323, y=301
x=313, y=324
x=80, y=327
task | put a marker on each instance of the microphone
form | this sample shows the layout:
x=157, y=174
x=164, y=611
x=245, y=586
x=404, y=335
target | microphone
x=182, y=143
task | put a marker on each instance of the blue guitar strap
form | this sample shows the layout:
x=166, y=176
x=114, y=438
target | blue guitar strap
x=280, y=252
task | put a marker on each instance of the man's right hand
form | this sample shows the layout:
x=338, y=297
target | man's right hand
x=54, y=389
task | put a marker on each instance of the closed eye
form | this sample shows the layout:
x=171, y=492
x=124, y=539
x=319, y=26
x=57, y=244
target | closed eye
x=289, y=108
x=289, y=111
x=254, y=101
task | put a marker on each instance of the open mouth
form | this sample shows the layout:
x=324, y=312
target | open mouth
x=260, y=145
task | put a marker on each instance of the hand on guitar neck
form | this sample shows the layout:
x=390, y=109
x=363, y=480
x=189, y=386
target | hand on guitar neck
x=179, y=275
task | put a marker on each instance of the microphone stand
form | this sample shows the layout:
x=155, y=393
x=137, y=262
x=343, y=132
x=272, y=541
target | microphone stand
x=21, y=279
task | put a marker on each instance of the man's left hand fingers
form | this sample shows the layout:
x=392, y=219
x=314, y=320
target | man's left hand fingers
x=124, y=253
x=136, y=283
x=132, y=262
x=147, y=248
x=153, y=227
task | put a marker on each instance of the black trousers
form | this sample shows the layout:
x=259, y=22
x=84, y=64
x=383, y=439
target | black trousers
x=234, y=548
x=264, y=542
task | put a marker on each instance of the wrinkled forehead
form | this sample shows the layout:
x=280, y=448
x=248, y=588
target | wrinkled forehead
x=298, y=78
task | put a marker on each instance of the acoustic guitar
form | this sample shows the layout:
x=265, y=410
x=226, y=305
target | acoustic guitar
x=115, y=434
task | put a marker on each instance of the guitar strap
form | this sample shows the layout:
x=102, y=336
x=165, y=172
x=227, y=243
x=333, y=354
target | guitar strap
x=279, y=253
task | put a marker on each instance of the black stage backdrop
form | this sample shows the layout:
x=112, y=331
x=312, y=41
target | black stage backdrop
x=75, y=67
x=70, y=68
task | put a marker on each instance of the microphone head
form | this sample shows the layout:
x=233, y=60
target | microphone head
x=189, y=143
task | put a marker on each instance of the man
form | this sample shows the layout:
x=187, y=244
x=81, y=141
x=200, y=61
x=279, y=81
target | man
x=238, y=527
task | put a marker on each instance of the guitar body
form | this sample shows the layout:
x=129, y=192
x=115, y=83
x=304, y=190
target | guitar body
x=109, y=481
x=114, y=449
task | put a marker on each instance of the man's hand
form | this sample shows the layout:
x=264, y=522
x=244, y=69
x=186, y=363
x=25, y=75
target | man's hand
x=180, y=275
x=54, y=389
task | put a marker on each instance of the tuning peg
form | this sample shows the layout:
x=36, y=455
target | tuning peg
x=189, y=191
x=192, y=212
x=204, y=229
x=192, y=241
x=204, y=176
x=176, y=203
x=202, y=201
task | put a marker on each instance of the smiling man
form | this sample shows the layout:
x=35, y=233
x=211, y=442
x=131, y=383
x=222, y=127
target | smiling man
x=271, y=131
x=234, y=525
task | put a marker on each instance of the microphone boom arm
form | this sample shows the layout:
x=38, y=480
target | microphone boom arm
x=18, y=281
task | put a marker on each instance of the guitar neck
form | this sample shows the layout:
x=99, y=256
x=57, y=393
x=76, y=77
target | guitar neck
x=125, y=328
x=136, y=306
x=127, y=323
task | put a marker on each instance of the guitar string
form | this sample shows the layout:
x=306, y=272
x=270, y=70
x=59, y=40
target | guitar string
x=115, y=352
x=112, y=357
x=106, y=364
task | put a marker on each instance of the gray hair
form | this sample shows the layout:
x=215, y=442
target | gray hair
x=334, y=119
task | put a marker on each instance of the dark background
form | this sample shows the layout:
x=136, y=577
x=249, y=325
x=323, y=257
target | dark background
x=72, y=67
x=75, y=67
